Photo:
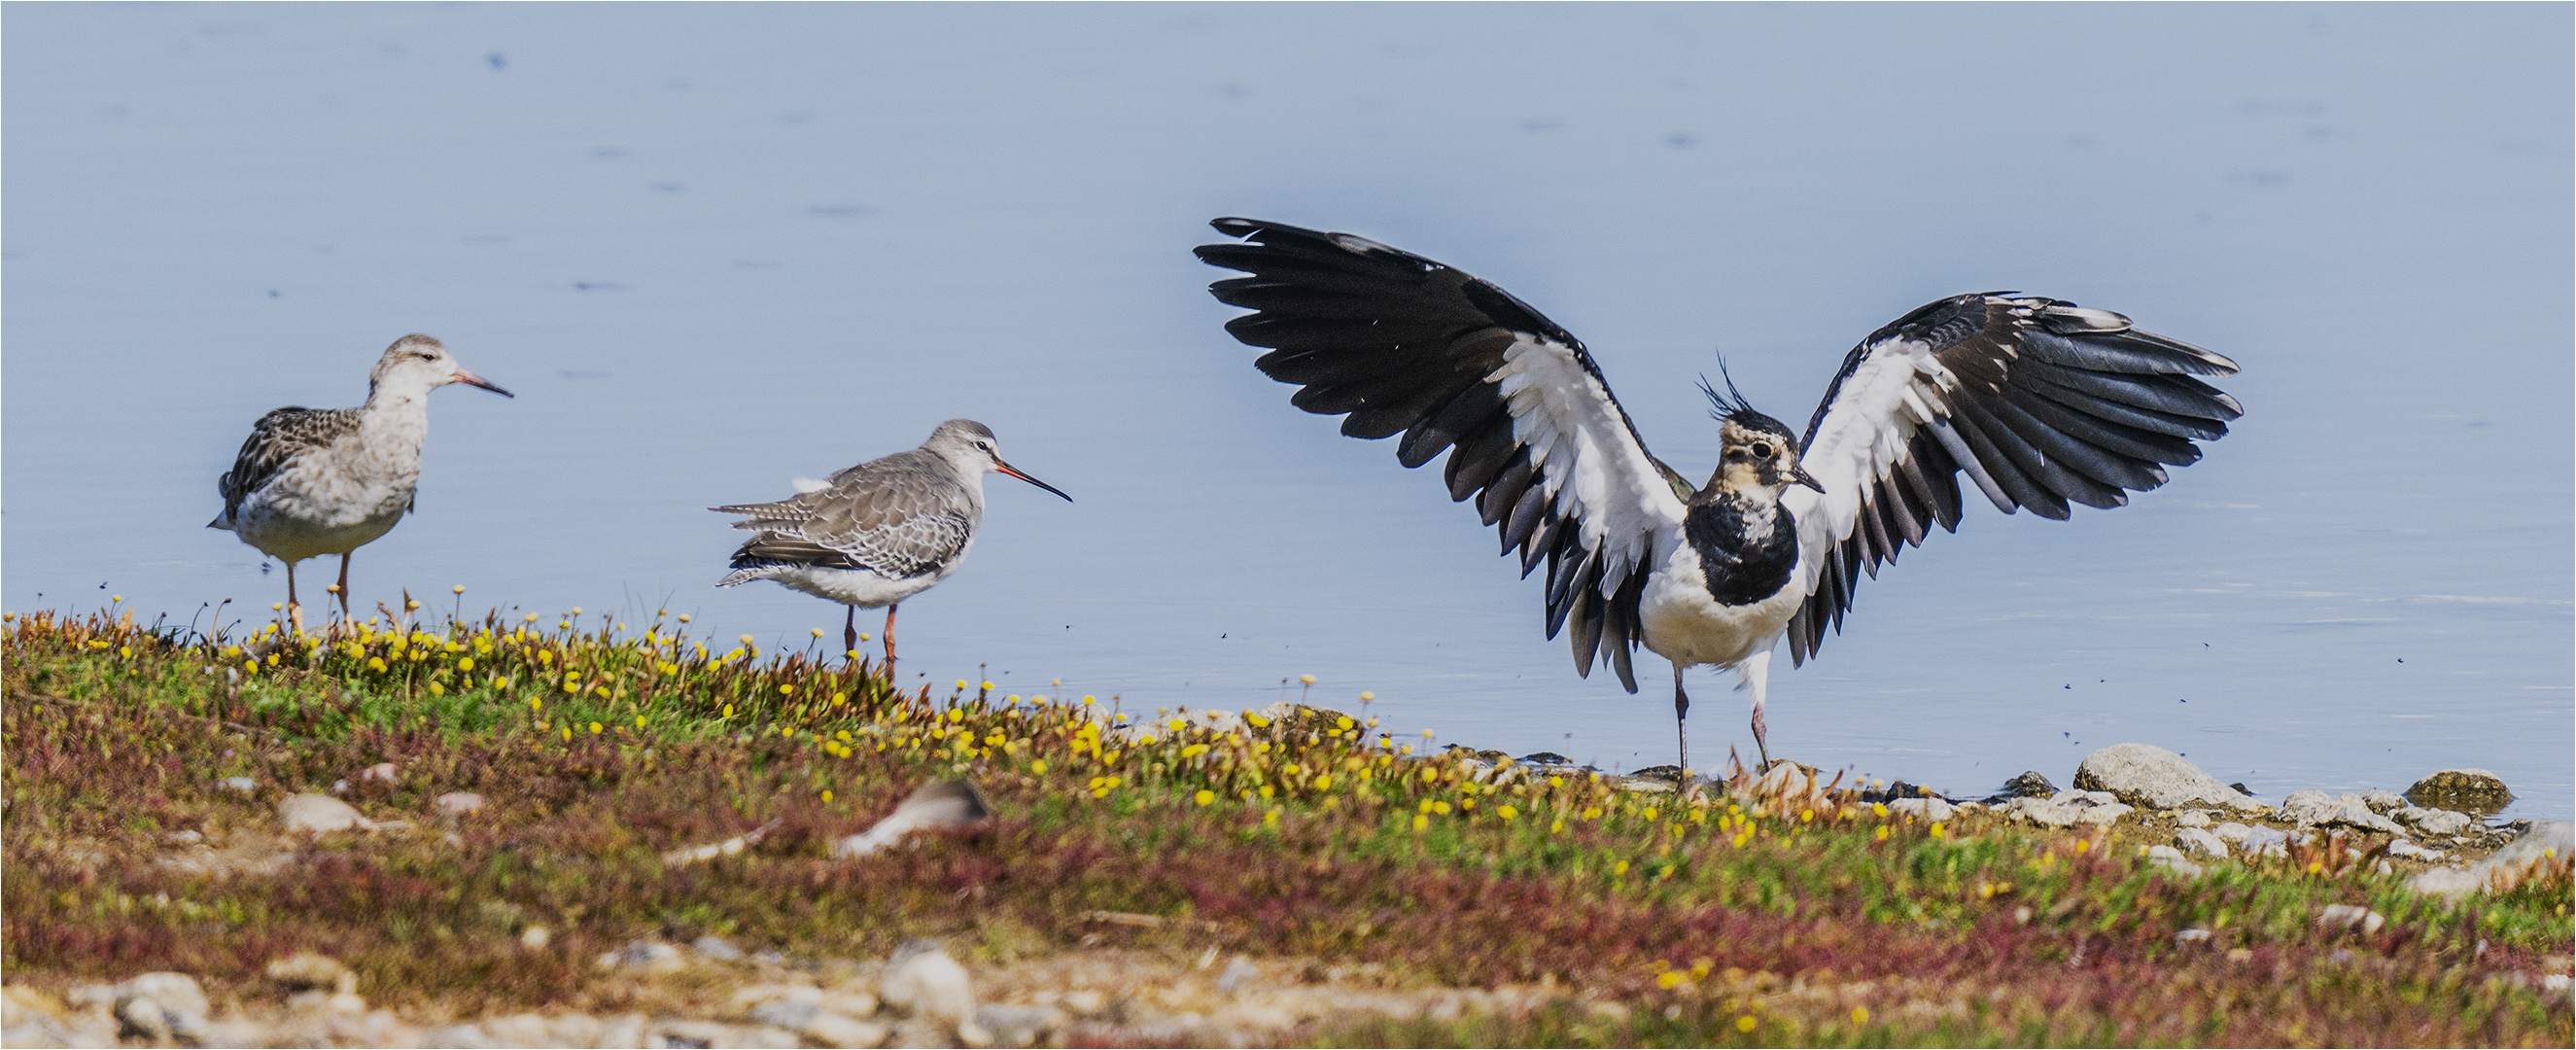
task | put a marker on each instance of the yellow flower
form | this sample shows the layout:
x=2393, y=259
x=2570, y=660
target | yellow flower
x=1507, y=812
x=1204, y=797
x=465, y=664
x=375, y=663
x=728, y=711
x=1746, y=1023
x=1306, y=679
x=1667, y=979
x=1324, y=782
x=567, y=734
x=786, y=689
x=1038, y=767
x=1256, y=721
x=1178, y=725
x=1620, y=868
x=827, y=794
x=436, y=689
x=1860, y=1015
x=1882, y=833
x=1343, y=722
x=1420, y=822
x=839, y=699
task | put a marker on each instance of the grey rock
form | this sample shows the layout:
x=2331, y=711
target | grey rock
x=244, y=785
x=784, y=1014
x=2474, y=790
x=939, y=804
x=842, y=1030
x=2196, y=840
x=2313, y=808
x=1019, y=1025
x=2410, y=851
x=2151, y=777
x=2030, y=785
x=2266, y=842
x=2067, y=809
x=1926, y=809
x=625, y=1032
x=2193, y=818
x=648, y=955
x=458, y=1037
x=717, y=948
x=317, y=814
x=2172, y=860
x=2347, y=916
x=140, y=1018
x=2193, y=934
x=2383, y=801
x=311, y=970
x=2434, y=821
x=174, y=991
x=2232, y=831
x=459, y=803
x=381, y=771
x=922, y=980
x=921, y=1032
x=184, y=838
x=1237, y=974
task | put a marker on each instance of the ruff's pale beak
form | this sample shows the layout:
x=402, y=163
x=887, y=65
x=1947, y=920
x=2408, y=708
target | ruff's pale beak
x=1008, y=469
x=1799, y=474
x=470, y=379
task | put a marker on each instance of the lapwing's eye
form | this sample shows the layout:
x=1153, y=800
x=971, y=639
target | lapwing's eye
x=1761, y=450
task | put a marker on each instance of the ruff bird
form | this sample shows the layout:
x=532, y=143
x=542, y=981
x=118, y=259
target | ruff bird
x=315, y=481
x=879, y=532
x=2038, y=402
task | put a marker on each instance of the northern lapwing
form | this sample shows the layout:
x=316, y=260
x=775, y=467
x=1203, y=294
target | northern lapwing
x=2040, y=403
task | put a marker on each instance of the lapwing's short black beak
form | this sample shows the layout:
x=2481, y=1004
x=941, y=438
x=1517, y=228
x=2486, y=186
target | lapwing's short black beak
x=1014, y=472
x=470, y=379
x=1799, y=474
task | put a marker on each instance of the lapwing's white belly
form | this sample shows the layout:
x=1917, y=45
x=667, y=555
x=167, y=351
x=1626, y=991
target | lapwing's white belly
x=1686, y=625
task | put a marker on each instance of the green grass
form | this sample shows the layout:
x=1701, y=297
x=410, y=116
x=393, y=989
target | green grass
x=1811, y=919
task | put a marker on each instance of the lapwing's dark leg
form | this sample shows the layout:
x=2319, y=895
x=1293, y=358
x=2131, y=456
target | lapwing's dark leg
x=1756, y=671
x=1681, y=726
x=344, y=587
x=850, y=635
x=890, y=639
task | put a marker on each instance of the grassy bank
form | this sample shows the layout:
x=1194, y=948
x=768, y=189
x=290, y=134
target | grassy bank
x=1802, y=916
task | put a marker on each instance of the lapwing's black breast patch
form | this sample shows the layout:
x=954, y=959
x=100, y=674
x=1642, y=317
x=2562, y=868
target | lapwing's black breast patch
x=1747, y=551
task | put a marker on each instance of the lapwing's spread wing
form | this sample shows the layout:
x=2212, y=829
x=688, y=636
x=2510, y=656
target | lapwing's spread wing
x=1405, y=345
x=274, y=442
x=899, y=516
x=2039, y=402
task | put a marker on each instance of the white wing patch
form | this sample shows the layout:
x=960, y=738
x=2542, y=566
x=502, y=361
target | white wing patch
x=1874, y=417
x=1595, y=472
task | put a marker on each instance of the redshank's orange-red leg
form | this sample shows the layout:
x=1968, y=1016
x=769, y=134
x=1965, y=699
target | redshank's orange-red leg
x=890, y=639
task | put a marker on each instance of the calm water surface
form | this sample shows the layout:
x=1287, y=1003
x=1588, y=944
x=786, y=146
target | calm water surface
x=715, y=248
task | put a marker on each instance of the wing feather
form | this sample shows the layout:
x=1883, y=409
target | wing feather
x=1400, y=344
x=2041, y=403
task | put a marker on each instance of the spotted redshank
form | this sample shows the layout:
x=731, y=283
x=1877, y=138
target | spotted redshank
x=311, y=481
x=879, y=532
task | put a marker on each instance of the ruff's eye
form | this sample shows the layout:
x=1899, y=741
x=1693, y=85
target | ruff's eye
x=1762, y=450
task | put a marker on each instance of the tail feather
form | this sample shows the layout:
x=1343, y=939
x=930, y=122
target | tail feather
x=745, y=575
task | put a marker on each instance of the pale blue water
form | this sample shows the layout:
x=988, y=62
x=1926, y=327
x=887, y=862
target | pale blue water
x=716, y=247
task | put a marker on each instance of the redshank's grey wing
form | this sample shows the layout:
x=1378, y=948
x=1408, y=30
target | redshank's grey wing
x=2040, y=402
x=900, y=516
x=274, y=443
x=1405, y=345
